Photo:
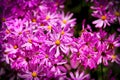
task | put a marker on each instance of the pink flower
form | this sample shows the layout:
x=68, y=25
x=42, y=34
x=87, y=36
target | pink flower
x=103, y=54
x=115, y=58
x=100, y=5
x=105, y=18
x=46, y=58
x=79, y=76
x=66, y=20
x=28, y=3
x=57, y=44
x=19, y=64
x=117, y=14
x=34, y=72
x=113, y=42
x=12, y=49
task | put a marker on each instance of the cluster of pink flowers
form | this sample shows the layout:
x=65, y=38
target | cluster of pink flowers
x=38, y=41
x=106, y=11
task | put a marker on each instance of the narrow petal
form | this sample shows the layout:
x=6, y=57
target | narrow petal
x=57, y=52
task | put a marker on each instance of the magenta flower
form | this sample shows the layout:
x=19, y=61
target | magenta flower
x=38, y=42
x=50, y=18
x=117, y=14
x=79, y=76
x=115, y=58
x=103, y=55
x=113, y=42
x=100, y=5
x=34, y=72
x=67, y=21
x=46, y=58
x=12, y=49
x=105, y=18
x=19, y=64
x=28, y=3
x=57, y=44
x=59, y=3
x=90, y=59
x=58, y=69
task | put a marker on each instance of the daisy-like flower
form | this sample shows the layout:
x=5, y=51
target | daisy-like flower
x=19, y=64
x=67, y=21
x=117, y=14
x=19, y=27
x=29, y=41
x=115, y=58
x=28, y=3
x=105, y=18
x=46, y=58
x=79, y=76
x=89, y=58
x=57, y=44
x=50, y=18
x=100, y=5
x=34, y=72
x=112, y=42
x=12, y=49
x=59, y=3
x=57, y=69
x=103, y=54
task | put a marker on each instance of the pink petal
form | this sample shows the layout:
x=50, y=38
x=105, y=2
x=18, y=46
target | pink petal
x=57, y=52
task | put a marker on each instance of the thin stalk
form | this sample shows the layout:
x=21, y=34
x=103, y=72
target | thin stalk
x=102, y=70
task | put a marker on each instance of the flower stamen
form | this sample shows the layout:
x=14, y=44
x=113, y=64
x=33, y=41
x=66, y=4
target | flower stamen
x=62, y=32
x=15, y=46
x=46, y=56
x=29, y=40
x=47, y=17
x=114, y=57
x=3, y=19
x=117, y=13
x=57, y=42
x=49, y=27
x=103, y=17
x=64, y=21
x=33, y=20
x=34, y=74
x=7, y=31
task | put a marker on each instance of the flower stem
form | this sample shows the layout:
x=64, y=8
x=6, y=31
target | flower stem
x=102, y=70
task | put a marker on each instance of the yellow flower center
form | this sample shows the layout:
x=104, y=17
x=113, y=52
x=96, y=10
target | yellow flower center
x=62, y=32
x=49, y=27
x=46, y=56
x=29, y=40
x=37, y=53
x=78, y=53
x=41, y=24
x=103, y=17
x=33, y=20
x=64, y=21
x=7, y=31
x=47, y=17
x=20, y=33
x=34, y=74
x=3, y=19
x=114, y=57
x=89, y=56
x=117, y=13
x=57, y=42
x=15, y=46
